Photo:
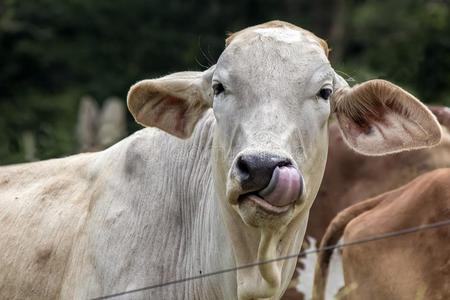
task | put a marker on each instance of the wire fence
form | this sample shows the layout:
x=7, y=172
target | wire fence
x=292, y=256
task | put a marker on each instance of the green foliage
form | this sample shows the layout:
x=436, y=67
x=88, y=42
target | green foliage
x=53, y=52
x=406, y=41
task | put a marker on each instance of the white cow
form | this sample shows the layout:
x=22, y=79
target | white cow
x=235, y=190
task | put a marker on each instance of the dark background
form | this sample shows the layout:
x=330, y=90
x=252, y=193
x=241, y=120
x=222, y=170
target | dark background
x=52, y=52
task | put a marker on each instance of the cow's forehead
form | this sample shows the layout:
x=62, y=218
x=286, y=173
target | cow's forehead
x=272, y=54
x=281, y=31
x=284, y=35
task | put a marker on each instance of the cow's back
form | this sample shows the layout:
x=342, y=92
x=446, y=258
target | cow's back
x=42, y=207
x=412, y=266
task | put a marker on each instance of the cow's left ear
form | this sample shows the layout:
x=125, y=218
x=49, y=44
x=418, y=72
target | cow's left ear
x=173, y=103
x=378, y=117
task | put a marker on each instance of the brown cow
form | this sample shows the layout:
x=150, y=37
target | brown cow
x=351, y=177
x=412, y=266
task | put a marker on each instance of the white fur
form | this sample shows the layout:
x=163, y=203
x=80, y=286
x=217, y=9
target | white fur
x=285, y=35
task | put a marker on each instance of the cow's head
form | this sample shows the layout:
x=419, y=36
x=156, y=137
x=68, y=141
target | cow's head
x=272, y=92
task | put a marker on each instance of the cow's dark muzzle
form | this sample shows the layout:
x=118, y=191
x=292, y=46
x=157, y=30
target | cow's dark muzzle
x=268, y=179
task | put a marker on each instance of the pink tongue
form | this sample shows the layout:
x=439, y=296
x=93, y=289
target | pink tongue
x=284, y=187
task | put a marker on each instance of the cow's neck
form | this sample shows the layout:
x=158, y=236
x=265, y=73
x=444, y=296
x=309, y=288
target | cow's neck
x=211, y=248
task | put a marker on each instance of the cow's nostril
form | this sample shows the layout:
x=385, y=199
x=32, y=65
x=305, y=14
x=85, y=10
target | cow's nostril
x=243, y=168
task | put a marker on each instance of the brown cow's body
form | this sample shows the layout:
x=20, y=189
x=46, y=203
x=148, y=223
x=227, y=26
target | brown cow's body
x=351, y=177
x=412, y=266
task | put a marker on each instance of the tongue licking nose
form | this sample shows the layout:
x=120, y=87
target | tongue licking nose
x=284, y=187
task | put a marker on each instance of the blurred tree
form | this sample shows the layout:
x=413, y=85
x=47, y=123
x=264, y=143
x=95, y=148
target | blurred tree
x=406, y=41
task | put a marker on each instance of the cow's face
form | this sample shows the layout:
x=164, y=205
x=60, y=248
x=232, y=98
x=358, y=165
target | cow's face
x=272, y=91
x=271, y=98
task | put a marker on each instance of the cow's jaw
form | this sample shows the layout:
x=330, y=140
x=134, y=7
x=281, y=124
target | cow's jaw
x=251, y=244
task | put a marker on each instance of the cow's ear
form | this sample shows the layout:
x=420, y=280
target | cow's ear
x=378, y=117
x=173, y=103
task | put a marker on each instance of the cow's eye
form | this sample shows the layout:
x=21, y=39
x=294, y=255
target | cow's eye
x=218, y=88
x=325, y=93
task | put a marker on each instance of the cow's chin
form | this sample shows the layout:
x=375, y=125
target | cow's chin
x=257, y=212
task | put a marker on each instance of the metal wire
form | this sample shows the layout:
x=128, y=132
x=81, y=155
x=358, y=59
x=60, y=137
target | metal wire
x=302, y=253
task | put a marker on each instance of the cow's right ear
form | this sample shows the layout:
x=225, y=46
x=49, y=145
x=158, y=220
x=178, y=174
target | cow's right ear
x=377, y=117
x=173, y=103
